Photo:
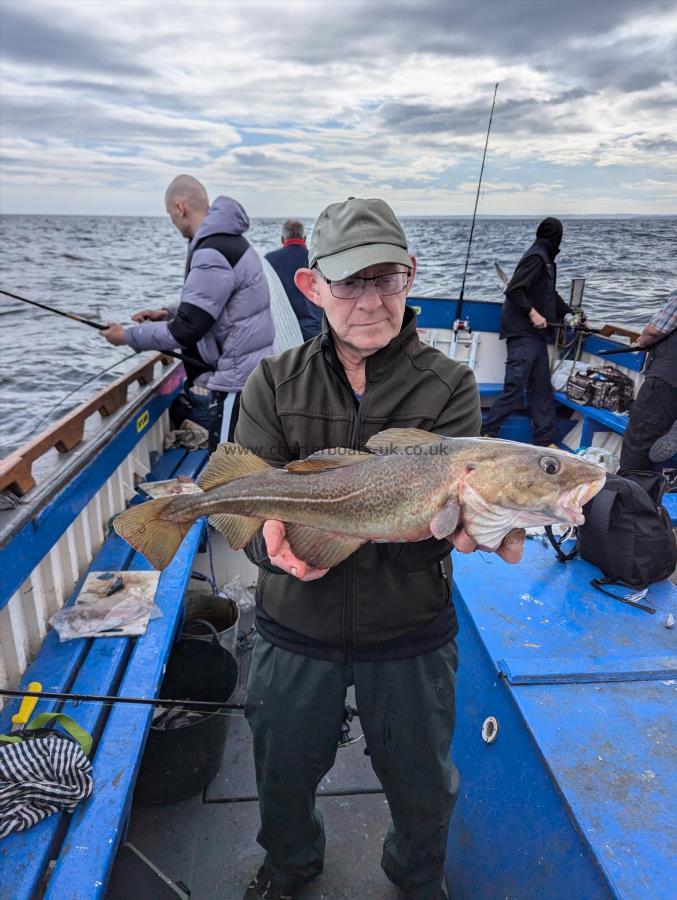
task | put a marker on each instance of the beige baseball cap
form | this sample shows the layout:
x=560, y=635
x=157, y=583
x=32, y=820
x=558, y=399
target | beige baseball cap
x=354, y=234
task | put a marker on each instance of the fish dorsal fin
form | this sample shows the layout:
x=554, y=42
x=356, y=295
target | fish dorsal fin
x=228, y=462
x=394, y=440
x=326, y=459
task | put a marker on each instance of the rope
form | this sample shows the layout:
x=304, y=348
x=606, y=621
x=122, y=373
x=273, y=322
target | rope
x=211, y=578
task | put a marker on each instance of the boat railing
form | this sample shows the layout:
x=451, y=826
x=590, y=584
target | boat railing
x=54, y=528
x=16, y=469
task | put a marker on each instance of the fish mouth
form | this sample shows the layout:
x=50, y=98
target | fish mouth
x=570, y=506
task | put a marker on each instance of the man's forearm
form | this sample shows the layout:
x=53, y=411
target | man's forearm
x=649, y=336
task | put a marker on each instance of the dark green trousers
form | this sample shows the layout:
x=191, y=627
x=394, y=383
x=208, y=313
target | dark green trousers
x=295, y=708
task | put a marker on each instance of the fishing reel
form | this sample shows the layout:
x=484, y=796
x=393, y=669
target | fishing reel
x=345, y=739
x=576, y=320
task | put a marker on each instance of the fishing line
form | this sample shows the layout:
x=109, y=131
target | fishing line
x=51, y=412
x=459, y=308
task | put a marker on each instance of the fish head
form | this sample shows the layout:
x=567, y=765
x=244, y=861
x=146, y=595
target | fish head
x=541, y=484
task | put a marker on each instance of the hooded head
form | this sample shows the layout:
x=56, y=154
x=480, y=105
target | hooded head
x=549, y=233
x=225, y=216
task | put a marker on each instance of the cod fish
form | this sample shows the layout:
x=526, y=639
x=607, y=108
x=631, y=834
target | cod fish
x=412, y=485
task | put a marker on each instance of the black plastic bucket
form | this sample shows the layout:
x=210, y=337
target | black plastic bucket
x=221, y=612
x=181, y=761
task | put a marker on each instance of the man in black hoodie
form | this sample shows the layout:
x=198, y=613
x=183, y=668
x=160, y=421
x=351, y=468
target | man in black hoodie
x=531, y=302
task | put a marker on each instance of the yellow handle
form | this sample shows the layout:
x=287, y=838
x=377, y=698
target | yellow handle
x=28, y=704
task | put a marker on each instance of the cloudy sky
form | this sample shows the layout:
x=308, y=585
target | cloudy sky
x=290, y=104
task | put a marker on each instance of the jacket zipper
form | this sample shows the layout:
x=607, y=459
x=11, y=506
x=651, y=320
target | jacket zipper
x=350, y=606
x=349, y=625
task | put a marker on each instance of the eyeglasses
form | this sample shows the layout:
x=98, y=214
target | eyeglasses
x=353, y=288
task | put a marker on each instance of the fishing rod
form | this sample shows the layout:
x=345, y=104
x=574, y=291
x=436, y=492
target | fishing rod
x=623, y=350
x=97, y=325
x=459, y=308
x=196, y=705
x=59, y=312
x=583, y=329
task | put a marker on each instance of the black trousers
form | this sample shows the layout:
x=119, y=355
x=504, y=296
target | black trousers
x=407, y=712
x=651, y=416
x=219, y=430
x=527, y=369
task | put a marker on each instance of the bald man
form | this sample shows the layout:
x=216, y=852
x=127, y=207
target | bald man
x=223, y=319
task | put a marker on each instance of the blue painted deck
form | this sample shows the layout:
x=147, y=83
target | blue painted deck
x=576, y=796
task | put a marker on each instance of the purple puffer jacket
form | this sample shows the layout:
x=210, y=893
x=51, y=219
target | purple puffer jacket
x=235, y=297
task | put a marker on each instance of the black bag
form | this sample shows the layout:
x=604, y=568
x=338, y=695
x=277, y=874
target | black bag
x=606, y=388
x=627, y=532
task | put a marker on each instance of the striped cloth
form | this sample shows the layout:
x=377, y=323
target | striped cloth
x=40, y=776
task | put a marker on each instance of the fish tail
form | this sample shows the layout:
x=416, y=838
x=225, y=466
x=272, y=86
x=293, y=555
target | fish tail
x=144, y=527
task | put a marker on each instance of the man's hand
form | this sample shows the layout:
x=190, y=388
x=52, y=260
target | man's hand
x=114, y=334
x=537, y=320
x=151, y=315
x=281, y=555
x=510, y=550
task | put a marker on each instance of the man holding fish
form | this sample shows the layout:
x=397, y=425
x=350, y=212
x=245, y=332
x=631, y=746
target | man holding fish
x=356, y=469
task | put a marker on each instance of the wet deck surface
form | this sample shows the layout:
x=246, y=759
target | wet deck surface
x=209, y=841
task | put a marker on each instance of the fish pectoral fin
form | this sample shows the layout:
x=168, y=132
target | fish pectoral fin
x=394, y=440
x=445, y=522
x=228, y=462
x=237, y=530
x=320, y=549
x=326, y=459
x=156, y=538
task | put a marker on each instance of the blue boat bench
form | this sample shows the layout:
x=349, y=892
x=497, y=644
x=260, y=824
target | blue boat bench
x=71, y=856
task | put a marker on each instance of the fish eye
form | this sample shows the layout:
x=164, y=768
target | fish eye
x=550, y=465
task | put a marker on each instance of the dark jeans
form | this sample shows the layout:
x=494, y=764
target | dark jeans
x=295, y=708
x=526, y=369
x=205, y=410
x=651, y=416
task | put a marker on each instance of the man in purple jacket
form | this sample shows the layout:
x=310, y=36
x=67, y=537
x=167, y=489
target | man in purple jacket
x=223, y=320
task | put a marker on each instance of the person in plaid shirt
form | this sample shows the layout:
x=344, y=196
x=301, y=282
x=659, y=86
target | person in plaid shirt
x=651, y=436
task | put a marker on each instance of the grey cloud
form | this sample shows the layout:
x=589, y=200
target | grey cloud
x=514, y=29
x=42, y=40
x=664, y=144
x=132, y=93
x=515, y=115
x=249, y=156
x=81, y=121
x=528, y=31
